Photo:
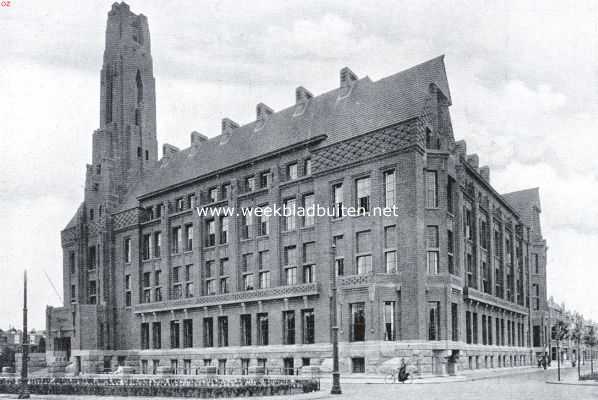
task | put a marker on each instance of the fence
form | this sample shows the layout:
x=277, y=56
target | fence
x=165, y=386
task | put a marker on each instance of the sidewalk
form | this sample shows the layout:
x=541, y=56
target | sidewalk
x=467, y=375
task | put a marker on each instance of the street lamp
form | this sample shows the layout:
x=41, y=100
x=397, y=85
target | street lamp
x=336, y=381
x=25, y=345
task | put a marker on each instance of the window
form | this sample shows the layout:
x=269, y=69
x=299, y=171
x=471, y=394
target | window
x=454, y=322
x=157, y=244
x=188, y=281
x=362, y=188
x=189, y=237
x=433, y=320
x=309, y=326
x=389, y=189
x=91, y=214
x=307, y=166
x=536, y=264
x=536, y=296
x=177, y=288
x=156, y=335
x=246, y=262
x=290, y=256
x=210, y=287
x=176, y=239
x=357, y=328
x=223, y=285
x=309, y=210
x=431, y=189
x=264, y=279
x=474, y=327
x=209, y=271
x=250, y=184
x=159, y=210
x=363, y=251
x=245, y=330
x=127, y=251
x=179, y=204
x=291, y=276
x=187, y=333
x=263, y=260
x=222, y=331
x=263, y=222
x=489, y=321
x=91, y=257
x=73, y=265
x=288, y=366
x=292, y=171
x=191, y=200
x=467, y=221
x=225, y=190
x=470, y=271
x=144, y=336
x=146, y=250
x=246, y=223
x=212, y=195
x=127, y=291
x=264, y=179
x=484, y=233
x=175, y=335
x=484, y=331
x=74, y=294
x=308, y=262
x=223, y=230
x=92, y=291
x=450, y=239
x=262, y=329
x=389, y=320
x=339, y=260
x=210, y=233
x=358, y=365
x=208, y=332
x=288, y=327
x=337, y=198
x=248, y=282
x=390, y=253
x=432, y=249
x=289, y=214
x=450, y=193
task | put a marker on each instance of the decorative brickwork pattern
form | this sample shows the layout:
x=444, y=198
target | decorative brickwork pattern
x=126, y=218
x=368, y=146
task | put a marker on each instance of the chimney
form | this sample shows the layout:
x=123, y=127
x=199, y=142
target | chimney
x=347, y=77
x=461, y=147
x=197, y=139
x=302, y=95
x=485, y=172
x=473, y=160
x=169, y=150
x=228, y=126
x=262, y=112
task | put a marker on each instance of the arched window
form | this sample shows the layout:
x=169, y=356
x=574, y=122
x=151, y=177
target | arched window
x=139, y=88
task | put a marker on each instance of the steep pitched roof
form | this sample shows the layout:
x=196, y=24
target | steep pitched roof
x=368, y=107
x=75, y=219
x=525, y=202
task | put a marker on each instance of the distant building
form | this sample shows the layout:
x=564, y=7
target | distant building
x=457, y=280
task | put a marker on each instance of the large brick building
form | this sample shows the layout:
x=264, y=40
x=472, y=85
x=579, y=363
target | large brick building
x=447, y=284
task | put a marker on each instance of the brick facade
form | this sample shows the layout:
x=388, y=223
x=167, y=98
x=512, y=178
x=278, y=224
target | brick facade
x=422, y=307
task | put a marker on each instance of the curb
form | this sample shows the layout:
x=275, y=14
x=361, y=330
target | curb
x=579, y=383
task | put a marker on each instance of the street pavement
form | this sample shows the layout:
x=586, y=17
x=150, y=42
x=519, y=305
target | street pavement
x=521, y=385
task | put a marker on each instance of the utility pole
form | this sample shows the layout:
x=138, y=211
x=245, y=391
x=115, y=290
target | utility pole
x=336, y=381
x=25, y=344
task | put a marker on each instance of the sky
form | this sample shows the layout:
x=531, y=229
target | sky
x=523, y=77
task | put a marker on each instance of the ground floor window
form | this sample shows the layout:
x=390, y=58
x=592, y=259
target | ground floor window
x=288, y=366
x=358, y=365
x=357, y=328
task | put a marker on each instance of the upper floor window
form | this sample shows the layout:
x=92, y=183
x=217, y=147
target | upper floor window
x=292, y=171
x=72, y=263
x=179, y=204
x=390, y=249
x=210, y=232
x=389, y=189
x=363, y=252
x=225, y=190
x=212, y=195
x=432, y=248
x=246, y=223
x=223, y=230
x=307, y=167
x=250, y=184
x=362, y=189
x=431, y=189
x=264, y=178
x=146, y=249
x=188, y=237
x=337, y=199
x=309, y=211
x=177, y=239
x=91, y=257
x=289, y=214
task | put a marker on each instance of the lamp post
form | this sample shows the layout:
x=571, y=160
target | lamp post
x=336, y=382
x=25, y=344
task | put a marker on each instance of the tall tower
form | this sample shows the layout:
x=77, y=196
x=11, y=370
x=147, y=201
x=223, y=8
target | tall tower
x=127, y=134
x=124, y=149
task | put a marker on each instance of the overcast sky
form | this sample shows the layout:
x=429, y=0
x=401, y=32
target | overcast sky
x=523, y=79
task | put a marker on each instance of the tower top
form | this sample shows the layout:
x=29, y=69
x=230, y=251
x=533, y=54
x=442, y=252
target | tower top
x=125, y=29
